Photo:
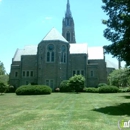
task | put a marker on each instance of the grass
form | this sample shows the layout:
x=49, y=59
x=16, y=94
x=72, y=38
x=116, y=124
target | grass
x=64, y=111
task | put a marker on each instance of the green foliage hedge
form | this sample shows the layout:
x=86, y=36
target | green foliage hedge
x=91, y=90
x=33, y=90
x=64, y=87
x=108, y=89
x=102, y=89
x=102, y=84
x=77, y=82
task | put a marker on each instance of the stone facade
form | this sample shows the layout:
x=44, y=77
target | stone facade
x=56, y=59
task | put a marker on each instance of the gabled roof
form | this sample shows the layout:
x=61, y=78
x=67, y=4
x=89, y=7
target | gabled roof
x=110, y=64
x=78, y=48
x=95, y=53
x=54, y=35
x=28, y=50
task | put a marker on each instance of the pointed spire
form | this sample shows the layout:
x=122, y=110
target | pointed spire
x=68, y=12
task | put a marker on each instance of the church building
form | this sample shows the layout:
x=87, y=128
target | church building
x=58, y=57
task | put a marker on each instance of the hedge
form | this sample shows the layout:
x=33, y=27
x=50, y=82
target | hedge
x=108, y=89
x=33, y=90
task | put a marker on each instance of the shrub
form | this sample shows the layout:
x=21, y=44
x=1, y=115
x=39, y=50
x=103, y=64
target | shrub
x=76, y=83
x=64, y=86
x=33, y=90
x=3, y=88
x=128, y=90
x=102, y=84
x=11, y=89
x=92, y=90
x=108, y=89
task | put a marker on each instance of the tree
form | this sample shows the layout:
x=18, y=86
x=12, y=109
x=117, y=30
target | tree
x=119, y=78
x=76, y=82
x=2, y=88
x=118, y=28
x=4, y=78
x=2, y=69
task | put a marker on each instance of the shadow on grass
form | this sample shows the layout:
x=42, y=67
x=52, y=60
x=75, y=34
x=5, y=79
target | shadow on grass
x=127, y=97
x=121, y=109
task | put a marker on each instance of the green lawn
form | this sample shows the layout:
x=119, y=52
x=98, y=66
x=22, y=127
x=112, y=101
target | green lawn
x=62, y=111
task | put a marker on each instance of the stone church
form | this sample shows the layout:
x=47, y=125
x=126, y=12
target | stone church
x=58, y=57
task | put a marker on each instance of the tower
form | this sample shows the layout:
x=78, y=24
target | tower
x=68, y=30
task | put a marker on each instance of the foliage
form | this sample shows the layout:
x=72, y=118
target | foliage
x=118, y=28
x=119, y=77
x=76, y=82
x=108, y=89
x=64, y=86
x=4, y=79
x=11, y=89
x=91, y=90
x=33, y=90
x=102, y=84
x=3, y=88
x=2, y=69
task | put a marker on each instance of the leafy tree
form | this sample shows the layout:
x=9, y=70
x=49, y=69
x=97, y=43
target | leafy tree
x=2, y=69
x=118, y=28
x=3, y=76
x=2, y=88
x=77, y=83
x=119, y=78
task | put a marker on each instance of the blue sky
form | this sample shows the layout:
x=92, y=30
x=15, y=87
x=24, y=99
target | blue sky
x=26, y=22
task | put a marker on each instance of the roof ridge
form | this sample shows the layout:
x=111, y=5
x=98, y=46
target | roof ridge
x=53, y=34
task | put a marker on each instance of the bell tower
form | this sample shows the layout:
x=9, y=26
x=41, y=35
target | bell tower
x=68, y=30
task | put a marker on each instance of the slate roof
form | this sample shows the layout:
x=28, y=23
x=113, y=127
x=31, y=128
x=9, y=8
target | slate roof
x=78, y=48
x=95, y=53
x=54, y=35
x=28, y=50
x=110, y=64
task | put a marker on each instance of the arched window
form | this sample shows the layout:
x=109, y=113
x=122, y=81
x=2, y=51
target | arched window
x=68, y=36
x=50, y=53
x=63, y=54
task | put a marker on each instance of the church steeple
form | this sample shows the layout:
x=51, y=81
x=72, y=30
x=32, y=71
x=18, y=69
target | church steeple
x=68, y=31
x=68, y=12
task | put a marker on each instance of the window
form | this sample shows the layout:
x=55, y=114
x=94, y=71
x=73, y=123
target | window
x=50, y=53
x=78, y=72
x=74, y=73
x=63, y=54
x=92, y=74
x=16, y=74
x=27, y=73
x=23, y=73
x=50, y=83
x=47, y=82
x=31, y=73
x=82, y=72
x=68, y=36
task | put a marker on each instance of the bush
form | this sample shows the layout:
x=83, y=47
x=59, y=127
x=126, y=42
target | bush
x=102, y=84
x=3, y=88
x=76, y=83
x=108, y=89
x=33, y=90
x=11, y=89
x=64, y=86
x=128, y=90
x=91, y=90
